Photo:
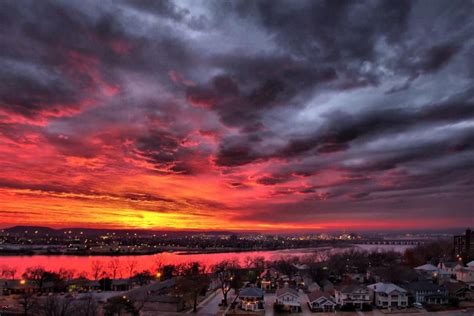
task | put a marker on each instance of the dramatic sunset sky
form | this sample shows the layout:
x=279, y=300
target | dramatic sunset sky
x=239, y=115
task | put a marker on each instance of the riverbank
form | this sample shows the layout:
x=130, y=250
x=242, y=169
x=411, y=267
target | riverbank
x=150, y=261
x=44, y=251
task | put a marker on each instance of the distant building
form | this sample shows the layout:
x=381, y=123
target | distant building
x=464, y=246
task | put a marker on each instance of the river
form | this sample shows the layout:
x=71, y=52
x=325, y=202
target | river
x=83, y=264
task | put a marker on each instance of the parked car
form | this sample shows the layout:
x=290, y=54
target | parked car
x=417, y=305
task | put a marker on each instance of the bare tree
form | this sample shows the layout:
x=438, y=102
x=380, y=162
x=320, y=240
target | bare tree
x=82, y=275
x=228, y=275
x=37, y=275
x=8, y=272
x=28, y=303
x=114, y=267
x=157, y=264
x=143, y=278
x=256, y=263
x=118, y=305
x=97, y=269
x=139, y=298
x=87, y=306
x=131, y=267
x=56, y=305
x=66, y=274
x=192, y=280
x=248, y=262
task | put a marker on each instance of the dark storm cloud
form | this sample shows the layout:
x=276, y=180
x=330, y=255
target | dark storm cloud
x=329, y=102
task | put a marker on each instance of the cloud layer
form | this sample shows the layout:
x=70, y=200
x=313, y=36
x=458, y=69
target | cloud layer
x=237, y=114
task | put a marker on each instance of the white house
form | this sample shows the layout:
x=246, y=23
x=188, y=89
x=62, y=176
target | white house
x=288, y=298
x=356, y=295
x=388, y=295
x=319, y=301
x=465, y=275
x=450, y=267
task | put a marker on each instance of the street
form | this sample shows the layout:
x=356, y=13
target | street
x=211, y=306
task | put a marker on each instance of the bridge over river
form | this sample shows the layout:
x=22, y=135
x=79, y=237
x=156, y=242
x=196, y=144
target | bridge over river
x=412, y=242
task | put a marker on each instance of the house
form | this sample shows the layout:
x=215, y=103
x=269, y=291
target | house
x=82, y=285
x=426, y=292
x=459, y=290
x=319, y=301
x=470, y=264
x=287, y=299
x=443, y=276
x=17, y=286
x=450, y=267
x=465, y=275
x=427, y=271
x=251, y=299
x=388, y=295
x=157, y=297
x=93, y=285
x=121, y=285
x=352, y=296
x=428, y=268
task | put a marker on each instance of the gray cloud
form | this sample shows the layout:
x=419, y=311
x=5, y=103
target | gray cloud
x=277, y=93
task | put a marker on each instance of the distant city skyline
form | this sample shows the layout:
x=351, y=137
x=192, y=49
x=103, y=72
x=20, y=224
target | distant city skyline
x=237, y=115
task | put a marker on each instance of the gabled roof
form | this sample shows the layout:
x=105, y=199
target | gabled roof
x=251, y=292
x=450, y=264
x=15, y=284
x=470, y=264
x=427, y=267
x=353, y=288
x=154, y=289
x=315, y=295
x=454, y=287
x=423, y=286
x=286, y=290
x=386, y=288
x=121, y=281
